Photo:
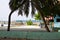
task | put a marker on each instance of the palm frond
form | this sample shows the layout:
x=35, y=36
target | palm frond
x=26, y=8
x=20, y=12
x=33, y=9
x=15, y=4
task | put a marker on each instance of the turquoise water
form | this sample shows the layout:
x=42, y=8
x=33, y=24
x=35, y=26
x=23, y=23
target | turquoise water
x=27, y=20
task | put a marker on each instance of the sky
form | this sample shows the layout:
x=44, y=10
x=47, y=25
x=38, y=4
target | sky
x=5, y=10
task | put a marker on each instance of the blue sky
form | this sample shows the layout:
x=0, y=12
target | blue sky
x=4, y=12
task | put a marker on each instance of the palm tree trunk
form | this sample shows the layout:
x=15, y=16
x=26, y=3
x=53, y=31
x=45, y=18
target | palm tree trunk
x=42, y=15
x=45, y=23
x=9, y=20
x=44, y=20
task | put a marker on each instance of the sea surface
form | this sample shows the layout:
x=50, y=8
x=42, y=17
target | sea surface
x=31, y=20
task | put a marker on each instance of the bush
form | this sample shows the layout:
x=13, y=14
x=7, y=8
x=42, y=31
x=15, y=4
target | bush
x=29, y=22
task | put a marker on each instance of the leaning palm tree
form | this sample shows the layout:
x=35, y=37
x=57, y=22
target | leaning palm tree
x=24, y=5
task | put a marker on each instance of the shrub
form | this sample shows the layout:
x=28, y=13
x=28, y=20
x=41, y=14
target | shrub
x=29, y=22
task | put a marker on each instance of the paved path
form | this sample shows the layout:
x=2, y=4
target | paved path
x=24, y=28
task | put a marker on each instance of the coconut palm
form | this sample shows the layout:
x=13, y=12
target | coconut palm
x=37, y=16
x=24, y=5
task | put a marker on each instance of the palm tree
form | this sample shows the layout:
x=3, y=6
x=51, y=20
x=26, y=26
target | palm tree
x=23, y=6
x=14, y=5
x=37, y=16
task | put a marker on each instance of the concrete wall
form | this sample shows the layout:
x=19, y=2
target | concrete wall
x=30, y=35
